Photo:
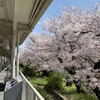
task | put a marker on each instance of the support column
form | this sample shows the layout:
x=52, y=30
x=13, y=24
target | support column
x=13, y=54
x=1, y=63
x=4, y=60
x=17, y=60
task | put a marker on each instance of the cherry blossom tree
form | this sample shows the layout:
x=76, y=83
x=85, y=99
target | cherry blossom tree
x=73, y=46
x=77, y=38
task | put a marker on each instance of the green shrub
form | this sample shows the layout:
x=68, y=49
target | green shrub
x=39, y=74
x=55, y=81
x=21, y=65
x=27, y=71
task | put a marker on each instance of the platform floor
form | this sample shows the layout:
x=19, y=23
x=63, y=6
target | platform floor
x=3, y=74
x=1, y=95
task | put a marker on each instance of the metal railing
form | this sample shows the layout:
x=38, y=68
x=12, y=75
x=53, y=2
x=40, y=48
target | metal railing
x=29, y=92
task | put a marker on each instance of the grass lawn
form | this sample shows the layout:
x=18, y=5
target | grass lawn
x=68, y=92
x=71, y=92
x=38, y=80
x=39, y=84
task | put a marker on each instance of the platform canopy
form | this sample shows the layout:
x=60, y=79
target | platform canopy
x=19, y=17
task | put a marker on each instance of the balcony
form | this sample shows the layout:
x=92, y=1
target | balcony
x=28, y=91
x=17, y=19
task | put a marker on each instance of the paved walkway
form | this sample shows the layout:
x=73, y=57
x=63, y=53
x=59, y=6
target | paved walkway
x=1, y=95
x=2, y=75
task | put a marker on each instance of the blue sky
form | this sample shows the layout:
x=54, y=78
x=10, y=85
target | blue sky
x=54, y=9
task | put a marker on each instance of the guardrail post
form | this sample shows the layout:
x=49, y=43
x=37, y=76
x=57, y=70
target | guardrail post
x=34, y=96
x=27, y=92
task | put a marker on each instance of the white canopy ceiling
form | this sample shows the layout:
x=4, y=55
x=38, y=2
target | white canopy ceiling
x=20, y=15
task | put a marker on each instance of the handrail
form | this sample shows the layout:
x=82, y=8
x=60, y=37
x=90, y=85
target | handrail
x=28, y=88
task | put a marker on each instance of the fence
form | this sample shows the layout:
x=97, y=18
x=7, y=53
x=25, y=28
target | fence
x=29, y=92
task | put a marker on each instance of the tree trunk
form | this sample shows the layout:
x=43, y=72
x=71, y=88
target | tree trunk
x=97, y=92
x=79, y=88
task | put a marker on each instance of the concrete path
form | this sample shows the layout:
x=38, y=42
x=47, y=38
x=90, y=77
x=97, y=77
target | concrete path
x=1, y=95
x=2, y=76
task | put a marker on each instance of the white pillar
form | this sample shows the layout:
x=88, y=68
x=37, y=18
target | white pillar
x=17, y=60
x=13, y=54
x=1, y=63
x=4, y=60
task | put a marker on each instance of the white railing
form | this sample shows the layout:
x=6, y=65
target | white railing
x=29, y=92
